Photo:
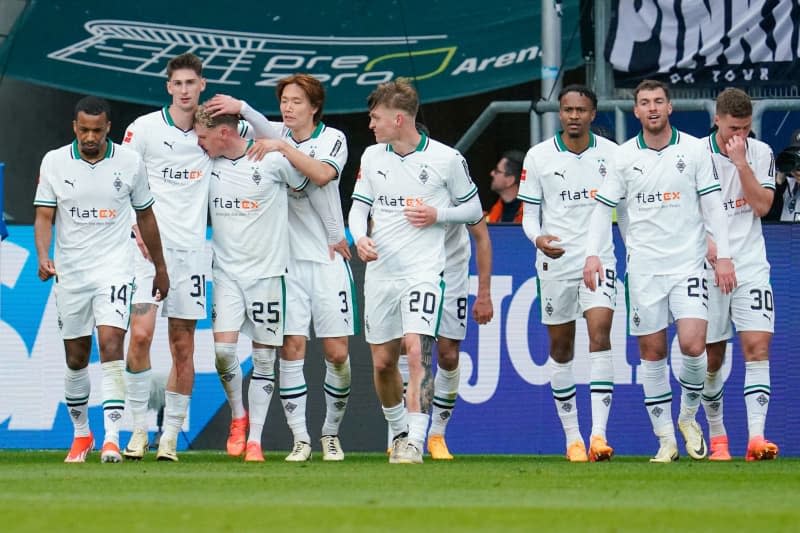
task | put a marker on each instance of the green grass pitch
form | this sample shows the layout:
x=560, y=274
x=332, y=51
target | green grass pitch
x=208, y=491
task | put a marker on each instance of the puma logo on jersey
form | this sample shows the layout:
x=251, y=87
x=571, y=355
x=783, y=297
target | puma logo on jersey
x=561, y=175
x=639, y=170
x=70, y=183
x=215, y=174
x=382, y=173
x=169, y=145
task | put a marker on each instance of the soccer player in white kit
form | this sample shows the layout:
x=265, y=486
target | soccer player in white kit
x=179, y=173
x=746, y=169
x=248, y=205
x=559, y=179
x=319, y=283
x=453, y=327
x=408, y=183
x=87, y=189
x=671, y=191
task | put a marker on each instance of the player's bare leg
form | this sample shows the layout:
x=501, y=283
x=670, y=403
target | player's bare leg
x=179, y=385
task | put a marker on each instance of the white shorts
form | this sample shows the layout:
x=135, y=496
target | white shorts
x=324, y=291
x=80, y=311
x=655, y=300
x=454, y=308
x=393, y=308
x=565, y=300
x=750, y=306
x=254, y=307
x=187, y=283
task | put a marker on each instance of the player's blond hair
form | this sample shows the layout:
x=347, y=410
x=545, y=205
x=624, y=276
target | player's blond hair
x=398, y=94
x=204, y=118
x=735, y=103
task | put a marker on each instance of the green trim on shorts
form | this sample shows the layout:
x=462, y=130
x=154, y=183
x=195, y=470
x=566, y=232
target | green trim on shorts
x=627, y=306
x=283, y=304
x=442, y=286
x=354, y=300
x=539, y=296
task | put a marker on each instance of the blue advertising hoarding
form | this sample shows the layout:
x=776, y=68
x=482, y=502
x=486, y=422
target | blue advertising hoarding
x=504, y=406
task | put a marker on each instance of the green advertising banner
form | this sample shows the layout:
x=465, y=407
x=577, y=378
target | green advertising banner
x=451, y=48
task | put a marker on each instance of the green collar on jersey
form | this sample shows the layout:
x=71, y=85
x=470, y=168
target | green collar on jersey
x=715, y=149
x=421, y=146
x=672, y=140
x=314, y=134
x=76, y=153
x=166, y=116
x=561, y=147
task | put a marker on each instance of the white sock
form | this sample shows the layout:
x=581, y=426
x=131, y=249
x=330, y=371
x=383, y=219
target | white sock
x=658, y=397
x=402, y=366
x=601, y=389
x=337, y=391
x=445, y=392
x=138, y=394
x=397, y=417
x=113, y=398
x=713, y=393
x=259, y=393
x=77, y=387
x=176, y=406
x=756, y=396
x=230, y=376
x=692, y=378
x=417, y=429
x=294, y=394
x=562, y=383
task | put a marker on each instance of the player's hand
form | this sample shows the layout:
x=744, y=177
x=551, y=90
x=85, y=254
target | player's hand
x=160, y=285
x=482, y=309
x=366, y=249
x=543, y=242
x=342, y=248
x=724, y=275
x=420, y=216
x=592, y=272
x=711, y=251
x=46, y=269
x=262, y=147
x=737, y=150
x=222, y=104
x=140, y=243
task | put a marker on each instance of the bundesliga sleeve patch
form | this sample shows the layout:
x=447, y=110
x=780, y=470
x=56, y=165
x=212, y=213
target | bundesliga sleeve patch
x=128, y=136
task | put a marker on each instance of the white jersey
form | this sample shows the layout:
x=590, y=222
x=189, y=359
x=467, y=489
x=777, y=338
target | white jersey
x=433, y=174
x=249, y=214
x=564, y=184
x=178, y=170
x=748, y=251
x=308, y=236
x=457, y=248
x=666, y=232
x=93, y=203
